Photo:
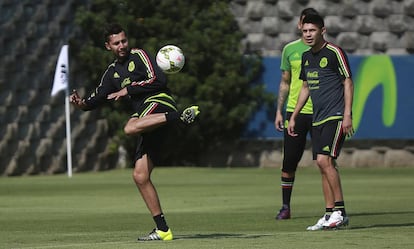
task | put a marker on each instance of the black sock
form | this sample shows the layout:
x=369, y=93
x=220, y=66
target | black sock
x=328, y=212
x=340, y=205
x=160, y=222
x=172, y=116
x=287, y=186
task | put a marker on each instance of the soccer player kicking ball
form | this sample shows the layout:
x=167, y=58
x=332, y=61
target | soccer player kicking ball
x=327, y=80
x=135, y=75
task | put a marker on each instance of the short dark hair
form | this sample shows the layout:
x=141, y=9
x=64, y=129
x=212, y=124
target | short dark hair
x=112, y=29
x=314, y=19
x=308, y=11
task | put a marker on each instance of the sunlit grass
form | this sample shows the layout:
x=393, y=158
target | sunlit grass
x=206, y=208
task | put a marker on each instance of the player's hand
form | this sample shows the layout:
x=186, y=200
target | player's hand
x=119, y=94
x=347, y=128
x=76, y=100
x=291, y=128
x=74, y=97
x=279, y=122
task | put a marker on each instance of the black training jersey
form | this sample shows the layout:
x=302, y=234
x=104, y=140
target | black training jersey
x=139, y=73
x=325, y=72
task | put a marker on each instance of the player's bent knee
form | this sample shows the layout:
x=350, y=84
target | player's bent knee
x=131, y=128
x=128, y=130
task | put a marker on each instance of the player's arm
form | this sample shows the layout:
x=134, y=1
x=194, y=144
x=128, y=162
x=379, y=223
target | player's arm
x=284, y=88
x=303, y=97
x=118, y=94
x=97, y=97
x=348, y=97
x=348, y=92
x=87, y=104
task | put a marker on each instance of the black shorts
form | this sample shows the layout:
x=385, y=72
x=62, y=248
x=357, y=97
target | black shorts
x=328, y=139
x=293, y=147
x=155, y=142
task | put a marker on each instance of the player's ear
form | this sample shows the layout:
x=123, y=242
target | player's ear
x=323, y=30
x=107, y=46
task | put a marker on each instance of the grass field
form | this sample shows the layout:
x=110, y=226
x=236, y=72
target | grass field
x=206, y=208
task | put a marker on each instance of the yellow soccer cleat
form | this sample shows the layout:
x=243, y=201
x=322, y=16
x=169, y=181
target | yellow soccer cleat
x=157, y=235
x=189, y=114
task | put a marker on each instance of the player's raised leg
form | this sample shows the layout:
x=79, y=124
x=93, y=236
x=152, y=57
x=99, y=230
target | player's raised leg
x=149, y=122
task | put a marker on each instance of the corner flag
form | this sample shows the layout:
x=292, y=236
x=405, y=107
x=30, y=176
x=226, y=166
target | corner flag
x=61, y=82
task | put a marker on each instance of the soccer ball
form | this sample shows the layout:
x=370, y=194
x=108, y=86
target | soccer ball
x=170, y=59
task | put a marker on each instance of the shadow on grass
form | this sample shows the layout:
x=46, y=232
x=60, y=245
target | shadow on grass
x=221, y=236
x=368, y=226
x=384, y=225
x=363, y=214
x=380, y=213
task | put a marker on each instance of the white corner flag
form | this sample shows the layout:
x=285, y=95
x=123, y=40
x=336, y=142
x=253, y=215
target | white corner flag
x=61, y=82
x=62, y=71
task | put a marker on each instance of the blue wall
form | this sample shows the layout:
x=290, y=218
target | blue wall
x=383, y=98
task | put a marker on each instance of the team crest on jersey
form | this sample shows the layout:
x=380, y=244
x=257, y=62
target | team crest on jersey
x=306, y=63
x=131, y=66
x=323, y=62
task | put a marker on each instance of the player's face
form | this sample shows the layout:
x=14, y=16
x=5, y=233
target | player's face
x=118, y=44
x=312, y=34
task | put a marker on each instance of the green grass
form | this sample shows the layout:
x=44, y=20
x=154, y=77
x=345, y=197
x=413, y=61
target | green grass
x=206, y=208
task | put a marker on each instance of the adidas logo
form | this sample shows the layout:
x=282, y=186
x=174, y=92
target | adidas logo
x=326, y=148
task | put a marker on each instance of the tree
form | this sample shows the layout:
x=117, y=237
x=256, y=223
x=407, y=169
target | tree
x=217, y=75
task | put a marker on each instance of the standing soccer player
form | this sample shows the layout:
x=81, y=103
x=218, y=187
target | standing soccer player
x=289, y=89
x=327, y=80
x=135, y=75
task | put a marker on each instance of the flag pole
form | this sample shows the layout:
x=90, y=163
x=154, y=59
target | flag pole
x=61, y=82
x=68, y=134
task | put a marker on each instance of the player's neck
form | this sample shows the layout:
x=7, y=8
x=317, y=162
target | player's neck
x=317, y=47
